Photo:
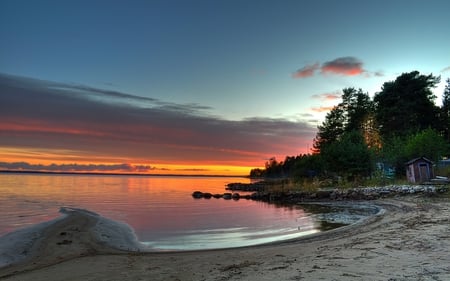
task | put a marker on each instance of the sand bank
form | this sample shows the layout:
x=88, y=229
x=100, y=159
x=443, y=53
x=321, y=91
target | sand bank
x=409, y=241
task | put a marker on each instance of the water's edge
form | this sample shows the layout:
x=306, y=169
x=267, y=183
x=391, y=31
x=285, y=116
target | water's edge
x=15, y=246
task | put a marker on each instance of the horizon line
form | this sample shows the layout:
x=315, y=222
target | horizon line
x=115, y=174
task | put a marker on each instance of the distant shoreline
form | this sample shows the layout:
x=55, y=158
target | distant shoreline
x=116, y=174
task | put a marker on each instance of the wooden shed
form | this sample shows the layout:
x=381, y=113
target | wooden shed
x=419, y=170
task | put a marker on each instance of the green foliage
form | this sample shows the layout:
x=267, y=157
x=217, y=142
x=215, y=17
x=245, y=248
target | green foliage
x=445, y=112
x=349, y=115
x=257, y=173
x=400, y=149
x=393, y=153
x=401, y=123
x=330, y=131
x=307, y=166
x=427, y=143
x=443, y=171
x=406, y=105
x=357, y=106
x=350, y=156
x=301, y=166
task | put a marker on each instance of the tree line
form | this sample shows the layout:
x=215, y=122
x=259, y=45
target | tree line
x=362, y=136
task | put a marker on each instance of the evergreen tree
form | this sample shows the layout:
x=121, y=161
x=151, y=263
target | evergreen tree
x=445, y=112
x=357, y=106
x=406, y=105
x=427, y=143
x=352, y=114
x=330, y=130
x=350, y=156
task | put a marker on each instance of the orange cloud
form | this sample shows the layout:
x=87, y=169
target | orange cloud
x=327, y=96
x=322, y=108
x=348, y=66
x=37, y=126
x=306, y=71
x=98, y=127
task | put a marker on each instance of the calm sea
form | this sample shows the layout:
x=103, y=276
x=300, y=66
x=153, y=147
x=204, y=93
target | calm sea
x=160, y=209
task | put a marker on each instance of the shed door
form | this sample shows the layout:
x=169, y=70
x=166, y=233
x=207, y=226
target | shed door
x=424, y=172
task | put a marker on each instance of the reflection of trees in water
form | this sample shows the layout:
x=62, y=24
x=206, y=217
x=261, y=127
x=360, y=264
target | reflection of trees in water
x=326, y=225
x=327, y=216
x=331, y=216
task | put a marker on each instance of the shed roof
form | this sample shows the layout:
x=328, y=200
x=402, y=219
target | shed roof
x=417, y=159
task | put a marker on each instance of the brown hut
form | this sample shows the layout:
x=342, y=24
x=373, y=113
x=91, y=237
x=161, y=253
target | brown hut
x=419, y=170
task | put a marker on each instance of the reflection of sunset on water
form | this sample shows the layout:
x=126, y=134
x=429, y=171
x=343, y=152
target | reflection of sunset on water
x=159, y=208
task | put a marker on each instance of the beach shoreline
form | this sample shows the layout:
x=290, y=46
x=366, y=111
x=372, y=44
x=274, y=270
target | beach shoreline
x=408, y=240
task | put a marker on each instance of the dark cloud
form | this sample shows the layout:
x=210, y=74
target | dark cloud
x=306, y=71
x=89, y=121
x=347, y=66
x=24, y=166
x=378, y=73
x=193, y=170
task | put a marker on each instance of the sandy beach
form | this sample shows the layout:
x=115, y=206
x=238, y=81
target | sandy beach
x=409, y=240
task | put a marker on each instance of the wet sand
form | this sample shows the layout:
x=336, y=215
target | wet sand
x=410, y=240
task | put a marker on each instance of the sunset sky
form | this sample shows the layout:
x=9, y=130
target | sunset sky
x=187, y=86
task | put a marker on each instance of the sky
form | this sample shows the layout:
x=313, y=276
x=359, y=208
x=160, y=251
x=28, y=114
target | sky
x=195, y=87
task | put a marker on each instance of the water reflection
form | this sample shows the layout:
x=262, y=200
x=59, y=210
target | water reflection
x=335, y=215
x=160, y=209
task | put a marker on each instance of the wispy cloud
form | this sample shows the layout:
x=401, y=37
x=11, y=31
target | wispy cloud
x=322, y=108
x=46, y=115
x=306, y=71
x=346, y=66
x=446, y=69
x=327, y=96
x=378, y=73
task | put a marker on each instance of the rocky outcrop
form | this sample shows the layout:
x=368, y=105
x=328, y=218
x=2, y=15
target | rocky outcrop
x=361, y=193
x=257, y=186
x=226, y=196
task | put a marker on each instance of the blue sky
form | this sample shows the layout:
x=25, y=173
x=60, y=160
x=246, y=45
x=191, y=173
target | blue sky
x=229, y=61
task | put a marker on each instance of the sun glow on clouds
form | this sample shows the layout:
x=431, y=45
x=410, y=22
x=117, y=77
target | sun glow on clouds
x=321, y=109
x=126, y=168
x=306, y=71
x=346, y=66
x=327, y=96
x=44, y=123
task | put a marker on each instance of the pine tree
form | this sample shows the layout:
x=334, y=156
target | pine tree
x=445, y=112
x=406, y=105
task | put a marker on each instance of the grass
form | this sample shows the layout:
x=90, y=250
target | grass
x=443, y=171
x=315, y=184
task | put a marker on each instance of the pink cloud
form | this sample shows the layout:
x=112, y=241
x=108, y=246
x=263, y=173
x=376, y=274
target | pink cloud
x=43, y=115
x=327, y=96
x=348, y=66
x=306, y=71
x=322, y=108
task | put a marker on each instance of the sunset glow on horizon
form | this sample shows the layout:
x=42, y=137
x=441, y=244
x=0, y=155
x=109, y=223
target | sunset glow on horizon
x=195, y=87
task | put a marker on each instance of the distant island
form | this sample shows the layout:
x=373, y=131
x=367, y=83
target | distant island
x=115, y=174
